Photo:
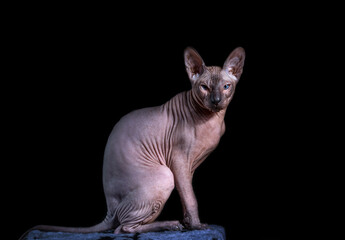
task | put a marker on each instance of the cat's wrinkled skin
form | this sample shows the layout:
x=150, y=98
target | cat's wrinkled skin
x=152, y=150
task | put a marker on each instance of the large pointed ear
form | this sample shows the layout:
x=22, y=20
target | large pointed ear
x=195, y=66
x=234, y=63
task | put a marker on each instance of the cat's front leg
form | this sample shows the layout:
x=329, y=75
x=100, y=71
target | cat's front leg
x=183, y=180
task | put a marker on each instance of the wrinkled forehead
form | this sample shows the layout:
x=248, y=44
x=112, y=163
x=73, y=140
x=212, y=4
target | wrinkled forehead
x=215, y=74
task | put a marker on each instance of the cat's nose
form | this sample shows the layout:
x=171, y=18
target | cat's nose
x=215, y=99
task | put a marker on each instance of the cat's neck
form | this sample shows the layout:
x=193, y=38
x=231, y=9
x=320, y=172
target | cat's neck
x=187, y=107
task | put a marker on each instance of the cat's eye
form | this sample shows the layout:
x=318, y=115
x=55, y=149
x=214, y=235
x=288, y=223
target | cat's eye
x=204, y=87
x=226, y=86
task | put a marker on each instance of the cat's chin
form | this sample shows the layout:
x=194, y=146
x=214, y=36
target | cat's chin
x=215, y=109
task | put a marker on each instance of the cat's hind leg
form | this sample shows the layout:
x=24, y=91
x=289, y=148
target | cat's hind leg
x=138, y=210
x=152, y=227
x=140, y=218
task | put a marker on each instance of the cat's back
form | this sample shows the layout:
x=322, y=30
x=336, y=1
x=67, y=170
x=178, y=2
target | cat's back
x=139, y=125
x=145, y=118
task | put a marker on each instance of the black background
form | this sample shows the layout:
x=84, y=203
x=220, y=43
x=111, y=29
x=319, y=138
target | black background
x=76, y=70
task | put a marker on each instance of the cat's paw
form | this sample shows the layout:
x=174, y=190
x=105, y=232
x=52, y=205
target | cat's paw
x=176, y=227
x=194, y=225
x=200, y=226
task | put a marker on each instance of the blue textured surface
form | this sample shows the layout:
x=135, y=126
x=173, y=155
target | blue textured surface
x=214, y=232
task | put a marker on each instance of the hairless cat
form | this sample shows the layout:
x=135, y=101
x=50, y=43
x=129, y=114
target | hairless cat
x=151, y=150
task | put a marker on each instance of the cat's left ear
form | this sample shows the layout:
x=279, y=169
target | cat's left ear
x=233, y=65
x=195, y=66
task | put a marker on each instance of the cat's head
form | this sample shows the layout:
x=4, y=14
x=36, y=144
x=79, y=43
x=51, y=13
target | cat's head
x=214, y=86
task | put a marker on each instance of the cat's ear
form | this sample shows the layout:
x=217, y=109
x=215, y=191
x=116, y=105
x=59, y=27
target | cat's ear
x=195, y=66
x=233, y=65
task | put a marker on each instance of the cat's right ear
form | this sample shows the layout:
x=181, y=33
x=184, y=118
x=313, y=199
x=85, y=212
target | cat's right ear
x=195, y=66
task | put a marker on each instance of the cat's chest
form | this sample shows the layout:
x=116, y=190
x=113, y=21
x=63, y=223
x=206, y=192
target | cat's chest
x=198, y=141
x=207, y=137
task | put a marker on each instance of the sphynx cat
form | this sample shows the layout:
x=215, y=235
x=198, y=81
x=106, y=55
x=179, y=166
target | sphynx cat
x=152, y=150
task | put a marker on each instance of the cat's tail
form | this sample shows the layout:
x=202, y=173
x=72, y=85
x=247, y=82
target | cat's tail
x=101, y=227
